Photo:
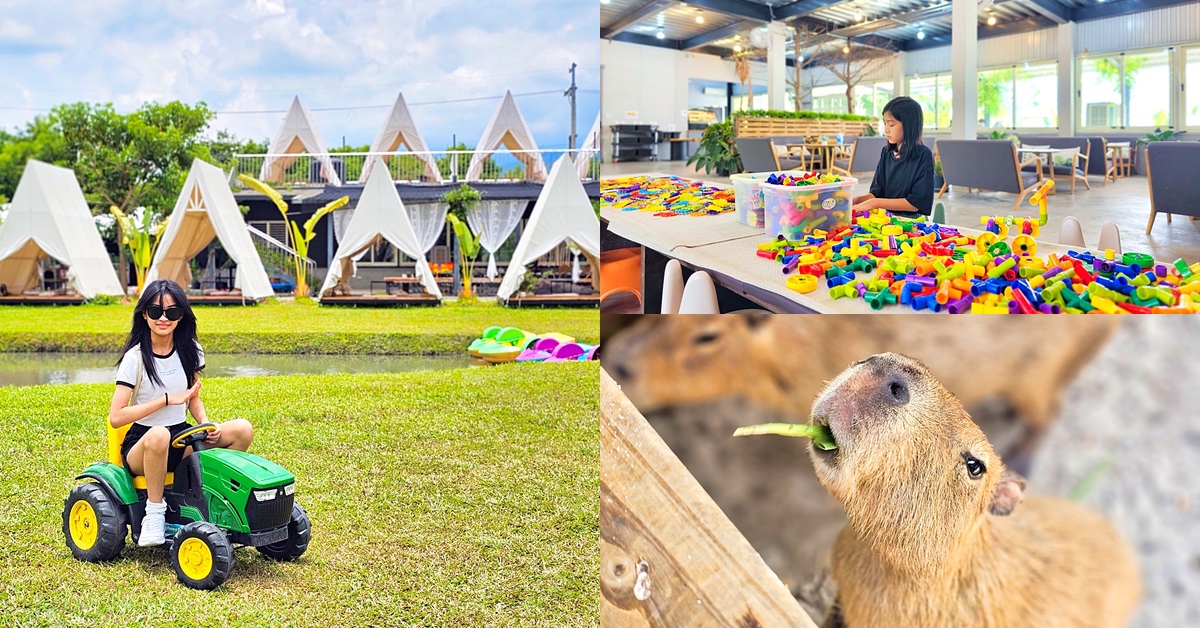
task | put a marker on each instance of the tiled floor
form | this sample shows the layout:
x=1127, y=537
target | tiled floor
x=1126, y=202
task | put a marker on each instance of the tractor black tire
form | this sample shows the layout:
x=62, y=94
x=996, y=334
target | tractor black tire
x=99, y=519
x=299, y=534
x=206, y=561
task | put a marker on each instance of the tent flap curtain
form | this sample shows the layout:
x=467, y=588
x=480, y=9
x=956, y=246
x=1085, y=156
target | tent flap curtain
x=428, y=221
x=497, y=219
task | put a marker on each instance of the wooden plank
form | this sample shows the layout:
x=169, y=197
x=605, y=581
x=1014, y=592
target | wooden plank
x=668, y=555
x=768, y=127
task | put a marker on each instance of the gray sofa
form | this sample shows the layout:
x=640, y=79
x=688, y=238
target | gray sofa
x=758, y=155
x=1171, y=169
x=863, y=157
x=988, y=165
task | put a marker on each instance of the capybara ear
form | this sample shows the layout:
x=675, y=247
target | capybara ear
x=1007, y=494
x=754, y=320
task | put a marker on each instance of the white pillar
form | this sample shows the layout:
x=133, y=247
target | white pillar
x=1066, y=79
x=899, y=75
x=964, y=55
x=776, y=65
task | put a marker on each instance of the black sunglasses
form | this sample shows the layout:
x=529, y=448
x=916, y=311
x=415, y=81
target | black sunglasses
x=155, y=312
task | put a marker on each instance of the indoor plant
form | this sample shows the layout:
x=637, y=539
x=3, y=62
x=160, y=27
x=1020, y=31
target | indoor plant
x=716, y=150
x=1159, y=135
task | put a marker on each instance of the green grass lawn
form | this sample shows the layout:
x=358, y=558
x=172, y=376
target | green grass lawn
x=275, y=327
x=463, y=497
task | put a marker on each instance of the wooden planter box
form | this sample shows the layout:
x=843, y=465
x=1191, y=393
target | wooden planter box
x=775, y=127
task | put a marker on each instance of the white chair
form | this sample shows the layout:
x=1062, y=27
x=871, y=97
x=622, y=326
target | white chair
x=1110, y=238
x=1071, y=233
x=672, y=287
x=699, y=295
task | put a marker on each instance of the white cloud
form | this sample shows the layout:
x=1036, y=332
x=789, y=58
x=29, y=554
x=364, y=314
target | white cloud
x=254, y=55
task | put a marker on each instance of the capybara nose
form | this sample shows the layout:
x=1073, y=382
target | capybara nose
x=621, y=373
x=888, y=379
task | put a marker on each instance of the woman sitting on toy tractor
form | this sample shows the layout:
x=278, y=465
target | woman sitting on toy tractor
x=158, y=383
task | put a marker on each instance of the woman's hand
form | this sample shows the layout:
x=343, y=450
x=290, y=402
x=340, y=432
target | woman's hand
x=181, y=398
x=866, y=205
x=213, y=436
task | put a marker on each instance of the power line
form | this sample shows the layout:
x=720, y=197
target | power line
x=411, y=104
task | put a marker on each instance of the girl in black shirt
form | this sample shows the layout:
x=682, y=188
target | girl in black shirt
x=904, y=177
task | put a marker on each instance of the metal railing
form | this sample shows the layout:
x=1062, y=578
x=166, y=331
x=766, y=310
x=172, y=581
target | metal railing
x=452, y=165
x=274, y=248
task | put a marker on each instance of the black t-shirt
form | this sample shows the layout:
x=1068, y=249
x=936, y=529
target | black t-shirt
x=910, y=178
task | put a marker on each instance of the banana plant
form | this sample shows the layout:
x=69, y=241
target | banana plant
x=141, y=235
x=299, y=240
x=468, y=246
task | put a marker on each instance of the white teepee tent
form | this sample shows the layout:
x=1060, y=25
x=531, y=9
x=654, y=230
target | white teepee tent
x=297, y=134
x=589, y=150
x=379, y=214
x=398, y=128
x=562, y=212
x=206, y=209
x=50, y=218
x=508, y=127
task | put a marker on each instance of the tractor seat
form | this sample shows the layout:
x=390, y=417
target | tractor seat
x=115, y=436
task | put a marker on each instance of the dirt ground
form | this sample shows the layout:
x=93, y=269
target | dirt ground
x=1128, y=428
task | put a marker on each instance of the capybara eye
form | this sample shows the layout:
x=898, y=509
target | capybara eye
x=706, y=338
x=899, y=392
x=975, y=468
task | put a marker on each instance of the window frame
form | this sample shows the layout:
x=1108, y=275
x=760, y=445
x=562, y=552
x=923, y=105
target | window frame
x=1175, y=104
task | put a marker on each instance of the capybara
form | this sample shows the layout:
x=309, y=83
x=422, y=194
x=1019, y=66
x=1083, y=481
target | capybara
x=937, y=532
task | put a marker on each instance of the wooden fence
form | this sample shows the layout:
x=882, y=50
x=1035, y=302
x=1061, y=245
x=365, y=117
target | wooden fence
x=775, y=127
x=668, y=555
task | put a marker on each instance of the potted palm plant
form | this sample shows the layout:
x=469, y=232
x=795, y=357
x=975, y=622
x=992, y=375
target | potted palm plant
x=1159, y=135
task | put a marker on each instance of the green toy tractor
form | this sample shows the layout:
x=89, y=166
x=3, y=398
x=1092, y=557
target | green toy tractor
x=216, y=499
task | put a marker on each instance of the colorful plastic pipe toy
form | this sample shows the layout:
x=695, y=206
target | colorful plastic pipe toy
x=999, y=225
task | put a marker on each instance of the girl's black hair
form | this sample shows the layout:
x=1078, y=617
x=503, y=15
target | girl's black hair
x=908, y=113
x=184, y=336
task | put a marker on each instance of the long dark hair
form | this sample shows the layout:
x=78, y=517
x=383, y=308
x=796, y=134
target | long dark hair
x=908, y=113
x=184, y=335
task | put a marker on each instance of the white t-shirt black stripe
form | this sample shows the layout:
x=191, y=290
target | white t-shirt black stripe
x=174, y=380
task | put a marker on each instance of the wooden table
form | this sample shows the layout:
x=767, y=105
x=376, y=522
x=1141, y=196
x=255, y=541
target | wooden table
x=725, y=249
x=1049, y=152
x=1117, y=150
x=825, y=148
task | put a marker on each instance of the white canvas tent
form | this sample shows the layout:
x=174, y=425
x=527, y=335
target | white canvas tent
x=379, y=215
x=297, y=134
x=562, y=212
x=398, y=128
x=590, y=150
x=206, y=209
x=50, y=218
x=508, y=127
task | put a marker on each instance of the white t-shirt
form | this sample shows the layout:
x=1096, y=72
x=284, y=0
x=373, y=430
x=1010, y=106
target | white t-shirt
x=174, y=380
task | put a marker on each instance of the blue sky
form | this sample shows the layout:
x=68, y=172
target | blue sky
x=247, y=58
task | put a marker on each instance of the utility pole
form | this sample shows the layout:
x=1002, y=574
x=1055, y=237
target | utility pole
x=570, y=94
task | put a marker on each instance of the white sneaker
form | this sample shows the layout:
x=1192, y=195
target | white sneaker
x=153, y=529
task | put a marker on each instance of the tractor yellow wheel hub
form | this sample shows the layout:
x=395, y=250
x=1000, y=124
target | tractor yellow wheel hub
x=83, y=525
x=195, y=559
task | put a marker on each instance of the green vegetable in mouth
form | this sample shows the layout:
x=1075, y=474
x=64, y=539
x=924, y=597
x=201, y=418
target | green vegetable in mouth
x=821, y=436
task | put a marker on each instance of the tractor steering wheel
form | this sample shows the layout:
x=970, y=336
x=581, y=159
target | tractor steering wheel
x=193, y=435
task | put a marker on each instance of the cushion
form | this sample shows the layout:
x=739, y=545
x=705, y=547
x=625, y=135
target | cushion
x=1028, y=178
x=842, y=163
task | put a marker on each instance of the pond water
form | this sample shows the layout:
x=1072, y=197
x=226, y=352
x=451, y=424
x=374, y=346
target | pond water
x=27, y=369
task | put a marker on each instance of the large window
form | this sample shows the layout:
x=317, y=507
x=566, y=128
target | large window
x=1191, y=82
x=830, y=98
x=870, y=98
x=996, y=98
x=1035, y=94
x=936, y=96
x=1126, y=90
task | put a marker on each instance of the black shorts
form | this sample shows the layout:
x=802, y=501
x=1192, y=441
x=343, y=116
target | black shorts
x=137, y=431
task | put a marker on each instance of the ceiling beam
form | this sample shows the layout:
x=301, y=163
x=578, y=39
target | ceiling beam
x=718, y=33
x=646, y=40
x=985, y=32
x=633, y=17
x=1049, y=9
x=1121, y=7
x=801, y=8
x=736, y=8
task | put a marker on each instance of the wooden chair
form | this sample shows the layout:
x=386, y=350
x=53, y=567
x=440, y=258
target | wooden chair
x=1174, y=187
x=758, y=155
x=862, y=156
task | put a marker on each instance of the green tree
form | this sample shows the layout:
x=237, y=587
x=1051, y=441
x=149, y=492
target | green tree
x=490, y=169
x=1111, y=72
x=991, y=102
